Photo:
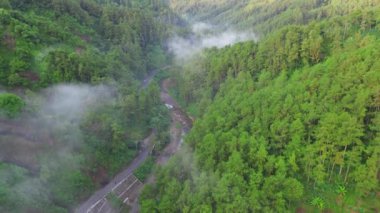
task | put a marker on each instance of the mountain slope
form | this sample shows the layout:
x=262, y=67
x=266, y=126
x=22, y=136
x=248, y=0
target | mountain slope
x=76, y=67
x=266, y=16
x=286, y=124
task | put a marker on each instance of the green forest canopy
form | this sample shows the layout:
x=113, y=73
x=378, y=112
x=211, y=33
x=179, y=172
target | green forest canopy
x=290, y=122
x=45, y=43
x=265, y=16
x=10, y=104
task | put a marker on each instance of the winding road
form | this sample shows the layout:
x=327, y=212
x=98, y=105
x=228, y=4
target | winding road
x=177, y=116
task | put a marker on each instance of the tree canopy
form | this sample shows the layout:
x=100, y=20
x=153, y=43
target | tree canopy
x=284, y=123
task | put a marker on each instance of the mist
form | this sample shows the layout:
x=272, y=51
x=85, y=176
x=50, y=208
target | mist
x=45, y=140
x=68, y=103
x=206, y=36
x=52, y=118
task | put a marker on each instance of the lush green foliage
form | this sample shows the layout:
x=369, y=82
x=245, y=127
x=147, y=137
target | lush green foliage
x=265, y=16
x=10, y=104
x=10, y=175
x=288, y=49
x=44, y=43
x=112, y=134
x=290, y=121
x=145, y=169
x=65, y=41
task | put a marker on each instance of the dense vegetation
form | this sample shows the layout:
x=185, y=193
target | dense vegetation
x=265, y=16
x=45, y=43
x=288, y=123
x=291, y=122
x=145, y=169
x=63, y=41
x=10, y=105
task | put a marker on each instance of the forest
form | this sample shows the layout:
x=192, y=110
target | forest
x=286, y=120
x=72, y=113
x=286, y=124
x=266, y=16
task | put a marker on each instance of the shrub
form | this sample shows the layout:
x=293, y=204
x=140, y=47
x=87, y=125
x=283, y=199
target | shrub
x=145, y=169
x=10, y=105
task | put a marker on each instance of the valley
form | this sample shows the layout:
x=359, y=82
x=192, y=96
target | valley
x=189, y=106
x=125, y=185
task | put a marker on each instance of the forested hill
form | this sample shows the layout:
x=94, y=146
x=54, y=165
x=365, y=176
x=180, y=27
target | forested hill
x=286, y=124
x=47, y=42
x=264, y=16
x=71, y=109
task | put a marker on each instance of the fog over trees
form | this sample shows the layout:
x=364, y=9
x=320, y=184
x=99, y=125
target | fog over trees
x=236, y=105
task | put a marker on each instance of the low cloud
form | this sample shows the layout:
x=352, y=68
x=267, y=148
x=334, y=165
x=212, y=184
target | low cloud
x=53, y=120
x=201, y=28
x=70, y=102
x=204, y=36
x=46, y=139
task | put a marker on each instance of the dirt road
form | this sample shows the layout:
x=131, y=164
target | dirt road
x=177, y=132
x=178, y=116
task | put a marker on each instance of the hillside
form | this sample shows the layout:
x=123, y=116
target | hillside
x=72, y=113
x=265, y=16
x=283, y=98
x=286, y=124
